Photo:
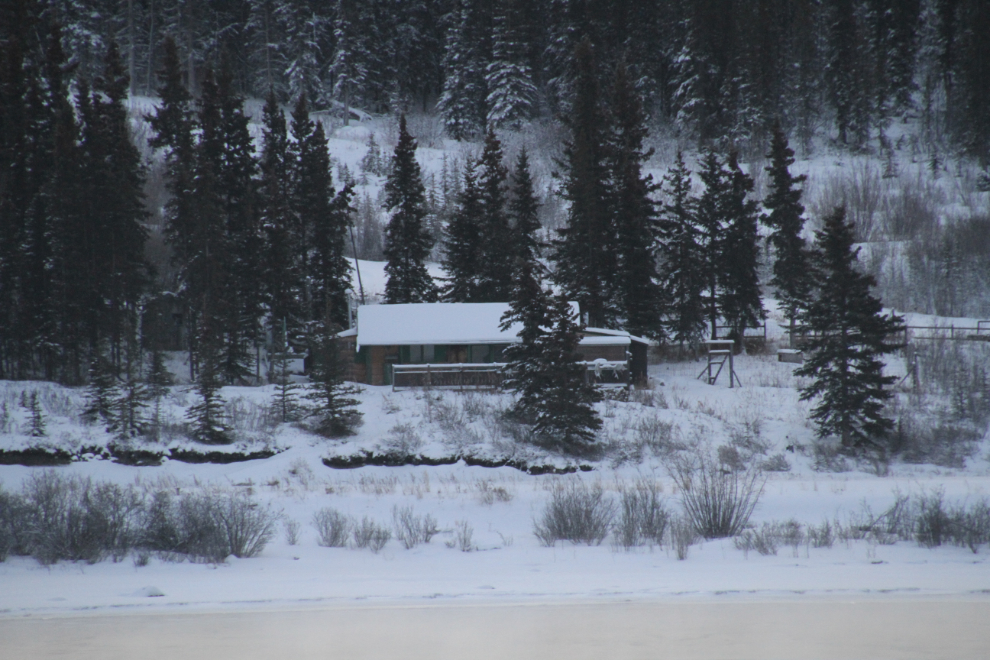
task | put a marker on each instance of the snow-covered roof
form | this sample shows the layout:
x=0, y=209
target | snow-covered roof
x=614, y=333
x=452, y=323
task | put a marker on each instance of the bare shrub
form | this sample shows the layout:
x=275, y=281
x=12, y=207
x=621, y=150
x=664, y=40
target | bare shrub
x=201, y=536
x=643, y=515
x=682, y=536
x=826, y=456
x=776, y=463
x=657, y=435
x=489, y=493
x=896, y=523
x=248, y=525
x=718, y=502
x=763, y=540
x=821, y=536
x=403, y=440
x=73, y=519
x=463, y=532
x=410, y=529
x=933, y=526
x=971, y=527
x=370, y=534
x=576, y=513
x=333, y=527
x=13, y=525
x=291, y=528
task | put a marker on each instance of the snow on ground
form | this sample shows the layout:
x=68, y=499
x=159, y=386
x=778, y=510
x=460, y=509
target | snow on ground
x=506, y=562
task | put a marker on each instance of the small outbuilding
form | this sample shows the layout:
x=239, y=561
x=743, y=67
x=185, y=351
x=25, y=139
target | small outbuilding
x=438, y=343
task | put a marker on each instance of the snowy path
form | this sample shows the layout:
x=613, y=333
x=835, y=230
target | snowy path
x=875, y=628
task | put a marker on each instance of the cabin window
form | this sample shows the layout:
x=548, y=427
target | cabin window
x=480, y=353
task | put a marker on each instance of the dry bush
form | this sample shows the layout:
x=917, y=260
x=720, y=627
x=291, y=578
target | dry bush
x=463, y=533
x=718, y=501
x=333, y=527
x=682, y=536
x=576, y=513
x=369, y=534
x=769, y=536
x=291, y=528
x=402, y=440
x=489, y=493
x=643, y=515
x=410, y=529
x=249, y=526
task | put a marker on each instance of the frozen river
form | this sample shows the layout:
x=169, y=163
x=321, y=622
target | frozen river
x=812, y=628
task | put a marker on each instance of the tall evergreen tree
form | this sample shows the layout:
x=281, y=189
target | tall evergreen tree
x=639, y=295
x=791, y=275
x=524, y=212
x=710, y=222
x=209, y=424
x=682, y=270
x=543, y=368
x=494, y=269
x=335, y=410
x=851, y=336
x=740, y=300
x=282, y=267
x=462, y=243
x=511, y=93
x=407, y=241
x=585, y=255
x=463, y=101
x=846, y=75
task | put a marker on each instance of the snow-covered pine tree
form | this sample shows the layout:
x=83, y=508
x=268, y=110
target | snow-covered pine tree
x=349, y=67
x=407, y=241
x=37, y=417
x=851, y=336
x=585, y=255
x=102, y=393
x=639, y=295
x=511, y=93
x=710, y=222
x=543, y=369
x=243, y=291
x=462, y=243
x=116, y=176
x=133, y=398
x=495, y=244
x=373, y=162
x=791, y=275
x=740, y=301
x=682, y=269
x=463, y=101
x=331, y=272
x=285, y=400
x=282, y=265
x=846, y=75
x=157, y=379
x=335, y=408
x=207, y=417
x=524, y=212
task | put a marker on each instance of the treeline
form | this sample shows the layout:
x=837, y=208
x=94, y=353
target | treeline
x=256, y=240
x=720, y=70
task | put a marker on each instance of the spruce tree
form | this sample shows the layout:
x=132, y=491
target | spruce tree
x=330, y=270
x=282, y=264
x=524, y=212
x=285, y=401
x=334, y=406
x=407, y=241
x=462, y=243
x=555, y=397
x=463, y=101
x=511, y=93
x=37, y=417
x=209, y=425
x=102, y=393
x=740, y=299
x=584, y=254
x=791, y=274
x=682, y=270
x=710, y=221
x=495, y=241
x=639, y=295
x=850, y=336
x=157, y=379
